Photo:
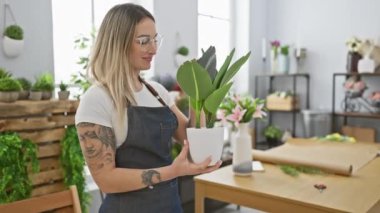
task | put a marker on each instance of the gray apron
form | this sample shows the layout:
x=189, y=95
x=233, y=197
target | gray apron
x=148, y=145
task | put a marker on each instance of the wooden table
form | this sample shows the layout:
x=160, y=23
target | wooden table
x=274, y=191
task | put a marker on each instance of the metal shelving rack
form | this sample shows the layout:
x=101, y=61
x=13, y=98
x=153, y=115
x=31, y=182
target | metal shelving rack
x=346, y=114
x=294, y=78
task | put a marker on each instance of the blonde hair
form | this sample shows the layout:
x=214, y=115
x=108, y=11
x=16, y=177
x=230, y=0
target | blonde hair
x=109, y=61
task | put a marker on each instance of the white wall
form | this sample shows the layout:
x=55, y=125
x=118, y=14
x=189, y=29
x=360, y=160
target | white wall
x=35, y=17
x=177, y=21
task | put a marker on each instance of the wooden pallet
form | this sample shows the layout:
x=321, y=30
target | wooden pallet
x=44, y=123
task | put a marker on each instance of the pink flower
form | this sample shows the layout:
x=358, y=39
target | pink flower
x=348, y=85
x=221, y=115
x=360, y=85
x=259, y=112
x=237, y=115
x=275, y=43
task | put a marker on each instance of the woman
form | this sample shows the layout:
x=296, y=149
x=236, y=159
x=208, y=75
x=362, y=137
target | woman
x=125, y=124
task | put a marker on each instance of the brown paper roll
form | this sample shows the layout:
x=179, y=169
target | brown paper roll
x=327, y=167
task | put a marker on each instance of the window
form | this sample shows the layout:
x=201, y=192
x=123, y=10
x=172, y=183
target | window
x=214, y=27
x=73, y=19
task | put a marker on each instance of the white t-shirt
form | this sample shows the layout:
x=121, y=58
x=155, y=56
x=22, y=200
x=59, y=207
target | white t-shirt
x=96, y=107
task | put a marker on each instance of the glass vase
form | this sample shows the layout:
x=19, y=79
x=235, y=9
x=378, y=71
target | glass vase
x=242, y=151
x=352, y=62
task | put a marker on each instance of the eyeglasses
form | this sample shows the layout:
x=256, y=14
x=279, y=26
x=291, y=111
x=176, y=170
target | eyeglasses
x=145, y=40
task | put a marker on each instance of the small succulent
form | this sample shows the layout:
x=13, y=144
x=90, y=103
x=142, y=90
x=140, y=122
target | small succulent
x=25, y=83
x=63, y=86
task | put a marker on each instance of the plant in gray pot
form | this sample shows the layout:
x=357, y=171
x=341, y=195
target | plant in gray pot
x=63, y=93
x=26, y=86
x=273, y=135
x=9, y=90
x=36, y=91
x=45, y=83
x=206, y=88
x=13, y=41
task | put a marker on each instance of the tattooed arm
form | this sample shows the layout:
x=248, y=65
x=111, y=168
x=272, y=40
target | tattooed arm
x=98, y=144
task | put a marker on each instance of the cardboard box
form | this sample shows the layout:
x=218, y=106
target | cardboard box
x=360, y=133
x=275, y=102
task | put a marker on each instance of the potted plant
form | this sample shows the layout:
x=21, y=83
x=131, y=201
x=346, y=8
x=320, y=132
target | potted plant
x=9, y=89
x=13, y=41
x=4, y=73
x=45, y=83
x=63, y=93
x=182, y=55
x=36, y=91
x=273, y=135
x=206, y=88
x=26, y=85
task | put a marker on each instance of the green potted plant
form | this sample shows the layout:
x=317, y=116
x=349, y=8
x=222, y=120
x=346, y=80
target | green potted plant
x=63, y=93
x=45, y=83
x=9, y=89
x=273, y=135
x=36, y=91
x=13, y=41
x=4, y=73
x=206, y=88
x=26, y=85
x=182, y=55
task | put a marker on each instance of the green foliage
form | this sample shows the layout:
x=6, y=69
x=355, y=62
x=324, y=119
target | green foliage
x=4, y=73
x=72, y=162
x=63, y=86
x=183, y=51
x=273, y=132
x=25, y=83
x=44, y=82
x=83, y=44
x=16, y=154
x=295, y=170
x=284, y=50
x=14, y=32
x=176, y=149
x=9, y=85
x=206, y=88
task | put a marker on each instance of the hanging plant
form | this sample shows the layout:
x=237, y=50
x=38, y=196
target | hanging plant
x=16, y=154
x=13, y=41
x=73, y=163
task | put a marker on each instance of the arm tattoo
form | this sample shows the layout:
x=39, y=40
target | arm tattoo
x=147, y=177
x=98, y=144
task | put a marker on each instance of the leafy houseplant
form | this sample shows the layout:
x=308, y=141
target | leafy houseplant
x=4, y=73
x=26, y=86
x=45, y=83
x=206, y=88
x=73, y=163
x=13, y=40
x=9, y=89
x=182, y=50
x=273, y=135
x=16, y=154
x=63, y=94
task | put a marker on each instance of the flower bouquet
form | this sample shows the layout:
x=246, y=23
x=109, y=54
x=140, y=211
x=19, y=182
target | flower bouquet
x=236, y=109
x=374, y=99
x=354, y=87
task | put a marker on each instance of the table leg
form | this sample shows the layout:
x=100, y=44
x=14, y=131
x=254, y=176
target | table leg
x=199, y=198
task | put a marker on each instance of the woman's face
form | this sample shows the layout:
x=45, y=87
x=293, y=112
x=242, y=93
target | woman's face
x=144, y=45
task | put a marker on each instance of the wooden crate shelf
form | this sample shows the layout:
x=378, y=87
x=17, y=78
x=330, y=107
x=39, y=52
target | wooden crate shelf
x=44, y=123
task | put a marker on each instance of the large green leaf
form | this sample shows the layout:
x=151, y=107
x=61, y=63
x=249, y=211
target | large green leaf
x=208, y=61
x=234, y=69
x=215, y=99
x=194, y=80
x=223, y=70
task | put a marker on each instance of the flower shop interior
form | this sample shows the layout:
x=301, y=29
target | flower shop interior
x=308, y=92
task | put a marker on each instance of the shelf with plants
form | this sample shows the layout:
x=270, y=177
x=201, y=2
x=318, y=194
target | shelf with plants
x=48, y=125
x=355, y=103
x=295, y=105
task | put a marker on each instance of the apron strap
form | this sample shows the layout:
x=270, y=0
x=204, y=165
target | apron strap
x=153, y=91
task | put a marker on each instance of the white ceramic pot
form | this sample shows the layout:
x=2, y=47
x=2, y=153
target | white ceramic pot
x=12, y=47
x=206, y=142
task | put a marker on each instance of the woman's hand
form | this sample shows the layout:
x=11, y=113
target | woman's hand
x=183, y=166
